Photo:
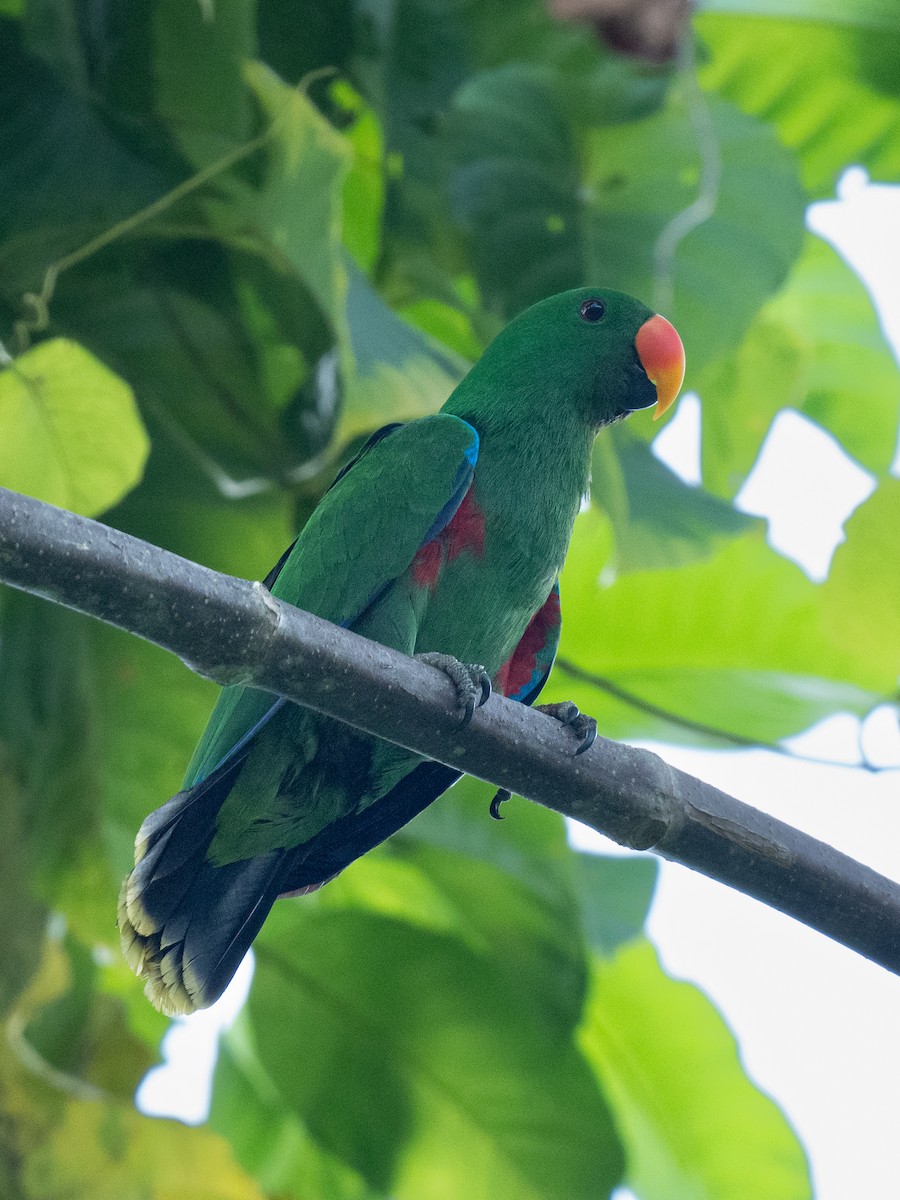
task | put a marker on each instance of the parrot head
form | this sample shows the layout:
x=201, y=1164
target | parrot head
x=601, y=350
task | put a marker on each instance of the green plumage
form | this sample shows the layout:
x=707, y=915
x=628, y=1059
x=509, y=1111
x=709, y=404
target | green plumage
x=447, y=535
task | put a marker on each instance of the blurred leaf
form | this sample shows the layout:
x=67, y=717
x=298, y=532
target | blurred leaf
x=725, y=267
x=816, y=346
x=615, y=894
x=400, y=374
x=860, y=596
x=82, y=1032
x=742, y=393
x=527, y=930
x=693, y=1123
x=852, y=386
x=297, y=208
x=22, y=916
x=195, y=58
x=818, y=82
x=540, y=222
x=516, y=188
x=87, y=179
x=60, y=1136
x=49, y=739
x=865, y=14
x=443, y=1066
x=267, y=1139
x=529, y=844
x=70, y=433
x=109, y=1152
x=736, y=643
x=659, y=520
x=364, y=184
x=235, y=360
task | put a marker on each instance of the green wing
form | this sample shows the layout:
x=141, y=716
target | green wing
x=399, y=493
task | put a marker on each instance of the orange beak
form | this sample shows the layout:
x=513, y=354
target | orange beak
x=662, y=356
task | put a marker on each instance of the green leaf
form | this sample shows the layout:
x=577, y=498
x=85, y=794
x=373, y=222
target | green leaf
x=742, y=393
x=526, y=929
x=49, y=742
x=821, y=83
x=863, y=14
x=208, y=110
x=88, y=179
x=297, y=208
x=851, y=369
x=443, y=1066
x=724, y=268
x=860, y=597
x=615, y=894
x=736, y=643
x=694, y=1125
x=83, y=1032
x=659, y=520
x=267, y=1138
x=70, y=433
x=102, y=1151
x=399, y=372
x=22, y=915
x=544, y=215
x=817, y=346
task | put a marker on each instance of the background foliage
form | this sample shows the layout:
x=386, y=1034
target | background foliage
x=212, y=284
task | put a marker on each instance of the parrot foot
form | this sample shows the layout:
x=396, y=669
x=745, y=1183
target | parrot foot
x=567, y=713
x=503, y=794
x=471, y=680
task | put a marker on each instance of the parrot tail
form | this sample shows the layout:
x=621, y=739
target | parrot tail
x=186, y=923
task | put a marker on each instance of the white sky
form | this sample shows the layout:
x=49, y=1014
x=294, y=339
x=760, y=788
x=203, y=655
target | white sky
x=817, y=1024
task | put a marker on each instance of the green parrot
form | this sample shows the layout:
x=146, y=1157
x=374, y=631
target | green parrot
x=443, y=538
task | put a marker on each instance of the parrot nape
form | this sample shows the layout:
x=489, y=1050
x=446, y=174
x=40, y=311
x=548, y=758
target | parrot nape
x=443, y=538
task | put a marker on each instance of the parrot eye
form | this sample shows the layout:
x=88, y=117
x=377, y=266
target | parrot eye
x=592, y=310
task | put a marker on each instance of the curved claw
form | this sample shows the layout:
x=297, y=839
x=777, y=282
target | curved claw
x=501, y=796
x=570, y=716
x=471, y=680
x=587, y=727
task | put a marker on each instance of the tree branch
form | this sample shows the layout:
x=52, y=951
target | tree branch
x=235, y=632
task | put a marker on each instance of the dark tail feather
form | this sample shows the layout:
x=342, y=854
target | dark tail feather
x=186, y=923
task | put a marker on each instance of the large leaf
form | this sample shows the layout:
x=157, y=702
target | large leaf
x=67, y=1054
x=694, y=1125
x=70, y=433
x=399, y=373
x=544, y=215
x=22, y=915
x=267, y=1138
x=816, y=346
x=109, y=1152
x=736, y=643
x=719, y=273
x=860, y=597
x=830, y=88
x=88, y=180
x=527, y=930
x=49, y=744
x=449, y=1083
x=659, y=520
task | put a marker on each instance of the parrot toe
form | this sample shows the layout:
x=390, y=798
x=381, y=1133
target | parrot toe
x=569, y=715
x=471, y=680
